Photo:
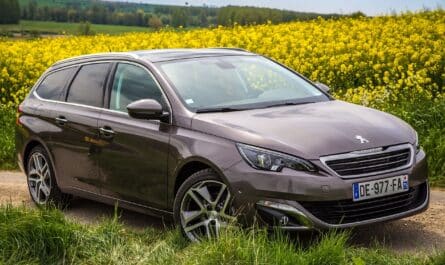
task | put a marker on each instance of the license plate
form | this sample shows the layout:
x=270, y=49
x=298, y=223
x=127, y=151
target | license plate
x=379, y=187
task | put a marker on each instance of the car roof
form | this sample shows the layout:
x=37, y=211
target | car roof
x=157, y=55
x=176, y=54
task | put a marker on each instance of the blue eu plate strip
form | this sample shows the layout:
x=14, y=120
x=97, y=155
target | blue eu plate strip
x=355, y=190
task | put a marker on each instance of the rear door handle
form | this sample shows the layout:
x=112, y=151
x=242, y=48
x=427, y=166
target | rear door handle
x=61, y=120
x=106, y=132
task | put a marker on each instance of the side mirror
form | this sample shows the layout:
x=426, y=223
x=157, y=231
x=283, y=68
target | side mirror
x=146, y=109
x=323, y=87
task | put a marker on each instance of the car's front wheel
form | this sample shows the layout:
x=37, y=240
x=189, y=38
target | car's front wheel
x=203, y=206
x=42, y=184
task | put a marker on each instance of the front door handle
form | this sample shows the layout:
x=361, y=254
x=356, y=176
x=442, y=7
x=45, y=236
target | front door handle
x=106, y=132
x=61, y=120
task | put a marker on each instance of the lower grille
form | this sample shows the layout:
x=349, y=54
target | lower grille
x=348, y=211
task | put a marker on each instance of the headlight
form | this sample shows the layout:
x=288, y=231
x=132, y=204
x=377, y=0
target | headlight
x=416, y=143
x=264, y=159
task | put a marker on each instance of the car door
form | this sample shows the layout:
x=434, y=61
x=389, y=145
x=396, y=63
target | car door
x=133, y=160
x=75, y=146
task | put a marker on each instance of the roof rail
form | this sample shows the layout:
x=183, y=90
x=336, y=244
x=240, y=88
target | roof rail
x=94, y=55
x=231, y=48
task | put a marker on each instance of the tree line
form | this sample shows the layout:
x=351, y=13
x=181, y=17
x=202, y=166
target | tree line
x=135, y=14
x=129, y=14
x=245, y=15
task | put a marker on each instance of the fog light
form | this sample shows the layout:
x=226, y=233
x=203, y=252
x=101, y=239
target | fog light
x=289, y=214
x=284, y=220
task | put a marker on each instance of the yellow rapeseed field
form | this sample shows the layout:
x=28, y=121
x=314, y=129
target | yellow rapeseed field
x=365, y=60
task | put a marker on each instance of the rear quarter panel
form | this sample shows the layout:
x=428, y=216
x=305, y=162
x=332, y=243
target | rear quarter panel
x=35, y=124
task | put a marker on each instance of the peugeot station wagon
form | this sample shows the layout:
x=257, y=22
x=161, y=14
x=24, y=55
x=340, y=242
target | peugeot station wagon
x=210, y=137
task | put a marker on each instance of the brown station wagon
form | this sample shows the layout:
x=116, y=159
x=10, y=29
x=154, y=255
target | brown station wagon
x=212, y=136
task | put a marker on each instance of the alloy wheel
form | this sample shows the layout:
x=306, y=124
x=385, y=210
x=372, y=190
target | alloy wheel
x=39, y=178
x=205, y=209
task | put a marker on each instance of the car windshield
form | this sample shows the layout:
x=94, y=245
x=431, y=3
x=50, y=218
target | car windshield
x=229, y=83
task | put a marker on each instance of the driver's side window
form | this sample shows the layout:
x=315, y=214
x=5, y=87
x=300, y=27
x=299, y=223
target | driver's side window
x=132, y=83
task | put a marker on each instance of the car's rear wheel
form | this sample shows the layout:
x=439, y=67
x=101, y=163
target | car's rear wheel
x=203, y=206
x=42, y=184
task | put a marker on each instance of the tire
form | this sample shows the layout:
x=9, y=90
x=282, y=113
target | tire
x=202, y=206
x=42, y=184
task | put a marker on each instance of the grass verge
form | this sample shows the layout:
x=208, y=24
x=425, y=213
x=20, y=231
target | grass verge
x=32, y=236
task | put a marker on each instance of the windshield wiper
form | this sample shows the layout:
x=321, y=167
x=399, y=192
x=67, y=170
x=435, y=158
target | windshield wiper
x=229, y=109
x=222, y=109
x=288, y=103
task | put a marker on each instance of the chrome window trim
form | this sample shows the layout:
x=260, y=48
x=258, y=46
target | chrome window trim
x=102, y=108
x=372, y=151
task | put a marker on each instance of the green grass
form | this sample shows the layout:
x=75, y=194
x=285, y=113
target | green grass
x=428, y=119
x=32, y=236
x=50, y=27
x=7, y=141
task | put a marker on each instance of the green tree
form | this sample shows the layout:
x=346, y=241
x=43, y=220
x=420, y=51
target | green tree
x=32, y=9
x=155, y=22
x=140, y=17
x=4, y=8
x=85, y=28
x=72, y=15
x=179, y=17
x=9, y=12
x=15, y=11
x=203, y=20
x=165, y=20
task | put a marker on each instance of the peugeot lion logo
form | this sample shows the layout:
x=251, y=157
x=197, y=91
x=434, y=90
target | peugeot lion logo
x=361, y=139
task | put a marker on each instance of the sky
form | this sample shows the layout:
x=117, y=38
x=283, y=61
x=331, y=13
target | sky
x=369, y=7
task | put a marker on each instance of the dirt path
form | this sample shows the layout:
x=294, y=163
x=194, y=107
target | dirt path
x=421, y=233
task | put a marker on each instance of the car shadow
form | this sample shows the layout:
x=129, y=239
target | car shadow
x=92, y=212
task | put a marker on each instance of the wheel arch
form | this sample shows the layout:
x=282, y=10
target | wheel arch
x=31, y=144
x=191, y=166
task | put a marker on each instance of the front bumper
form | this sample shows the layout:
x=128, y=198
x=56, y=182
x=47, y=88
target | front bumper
x=295, y=200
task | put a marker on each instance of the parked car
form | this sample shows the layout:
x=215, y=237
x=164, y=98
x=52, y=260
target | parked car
x=214, y=136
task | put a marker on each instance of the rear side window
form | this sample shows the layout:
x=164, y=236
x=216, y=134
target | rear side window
x=87, y=87
x=53, y=84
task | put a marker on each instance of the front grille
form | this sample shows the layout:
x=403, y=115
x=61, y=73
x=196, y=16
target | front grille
x=348, y=211
x=365, y=164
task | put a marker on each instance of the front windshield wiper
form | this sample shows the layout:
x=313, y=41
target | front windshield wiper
x=221, y=109
x=229, y=109
x=288, y=103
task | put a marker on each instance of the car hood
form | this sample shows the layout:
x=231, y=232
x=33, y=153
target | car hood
x=310, y=130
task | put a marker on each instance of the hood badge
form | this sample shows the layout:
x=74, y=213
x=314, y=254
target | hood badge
x=361, y=139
